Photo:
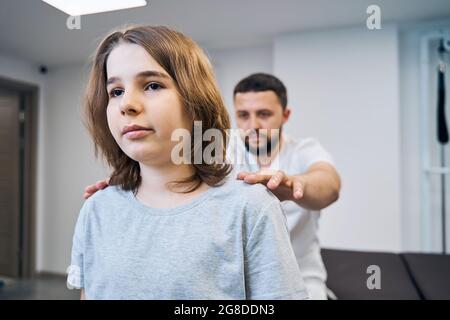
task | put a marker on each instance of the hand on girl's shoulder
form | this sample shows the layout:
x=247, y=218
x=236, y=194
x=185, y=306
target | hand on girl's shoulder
x=255, y=192
x=255, y=198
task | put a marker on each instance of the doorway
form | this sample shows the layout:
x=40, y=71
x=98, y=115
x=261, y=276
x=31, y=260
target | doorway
x=18, y=106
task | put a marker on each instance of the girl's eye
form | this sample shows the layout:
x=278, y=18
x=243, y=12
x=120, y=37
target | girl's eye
x=115, y=92
x=153, y=86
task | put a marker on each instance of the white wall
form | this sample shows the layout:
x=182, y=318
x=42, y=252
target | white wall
x=343, y=87
x=232, y=65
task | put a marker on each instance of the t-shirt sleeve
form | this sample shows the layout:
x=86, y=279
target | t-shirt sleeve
x=75, y=272
x=271, y=269
x=310, y=151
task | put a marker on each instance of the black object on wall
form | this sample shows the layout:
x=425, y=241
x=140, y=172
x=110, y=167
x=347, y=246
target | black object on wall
x=442, y=135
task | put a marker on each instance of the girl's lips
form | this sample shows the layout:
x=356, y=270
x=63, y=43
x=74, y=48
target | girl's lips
x=137, y=134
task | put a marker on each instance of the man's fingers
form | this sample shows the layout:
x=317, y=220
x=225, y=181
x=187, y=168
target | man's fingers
x=275, y=180
x=256, y=178
x=297, y=189
x=242, y=175
x=90, y=189
x=271, y=180
x=101, y=184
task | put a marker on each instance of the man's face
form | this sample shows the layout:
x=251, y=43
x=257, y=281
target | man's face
x=256, y=111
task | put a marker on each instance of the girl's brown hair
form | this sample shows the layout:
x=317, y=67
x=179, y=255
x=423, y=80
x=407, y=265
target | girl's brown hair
x=192, y=73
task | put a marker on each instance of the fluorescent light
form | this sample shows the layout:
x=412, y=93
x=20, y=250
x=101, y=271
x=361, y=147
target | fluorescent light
x=83, y=7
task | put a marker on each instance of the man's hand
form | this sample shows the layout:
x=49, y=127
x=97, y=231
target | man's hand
x=284, y=187
x=314, y=189
x=90, y=190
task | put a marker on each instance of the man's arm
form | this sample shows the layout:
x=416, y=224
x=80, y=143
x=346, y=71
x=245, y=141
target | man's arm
x=314, y=189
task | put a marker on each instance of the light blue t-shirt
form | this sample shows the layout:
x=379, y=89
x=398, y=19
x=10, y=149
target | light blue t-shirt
x=231, y=242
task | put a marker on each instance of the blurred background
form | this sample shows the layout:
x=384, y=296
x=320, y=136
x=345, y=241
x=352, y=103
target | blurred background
x=368, y=95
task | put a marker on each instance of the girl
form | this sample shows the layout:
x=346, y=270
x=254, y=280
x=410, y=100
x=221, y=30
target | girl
x=165, y=230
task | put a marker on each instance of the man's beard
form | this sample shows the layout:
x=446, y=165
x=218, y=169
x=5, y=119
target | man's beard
x=271, y=144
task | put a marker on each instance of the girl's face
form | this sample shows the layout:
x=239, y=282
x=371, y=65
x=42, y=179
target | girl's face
x=144, y=106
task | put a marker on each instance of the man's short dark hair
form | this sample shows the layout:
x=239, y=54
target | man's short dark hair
x=258, y=82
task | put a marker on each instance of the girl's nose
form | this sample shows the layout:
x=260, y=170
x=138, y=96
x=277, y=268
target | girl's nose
x=130, y=105
x=129, y=109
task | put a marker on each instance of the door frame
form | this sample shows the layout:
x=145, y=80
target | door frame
x=29, y=104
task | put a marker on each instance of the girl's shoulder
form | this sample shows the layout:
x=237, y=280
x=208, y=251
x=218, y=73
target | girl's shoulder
x=255, y=196
x=109, y=197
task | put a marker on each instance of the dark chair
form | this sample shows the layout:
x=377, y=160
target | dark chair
x=430, y=273
x=403, y=276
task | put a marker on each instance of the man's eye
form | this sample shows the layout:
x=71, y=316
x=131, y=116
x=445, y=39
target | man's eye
x=264, y=115
x=242, y=116
x=115, y=92
x=153, y=86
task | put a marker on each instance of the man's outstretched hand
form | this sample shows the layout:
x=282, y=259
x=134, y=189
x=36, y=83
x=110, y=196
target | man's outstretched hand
x=90, y=190
x=284, y=187
x=314, y=189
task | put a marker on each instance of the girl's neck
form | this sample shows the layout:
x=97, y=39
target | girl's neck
x=155, y=191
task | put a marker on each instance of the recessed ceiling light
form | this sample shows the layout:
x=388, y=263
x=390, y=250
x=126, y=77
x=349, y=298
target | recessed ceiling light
x=83, y=7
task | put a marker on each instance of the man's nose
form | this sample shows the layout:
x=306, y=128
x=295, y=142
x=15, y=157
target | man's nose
x=254, y=123
x=130, y=104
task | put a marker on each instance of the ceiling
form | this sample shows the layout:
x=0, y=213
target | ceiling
x=34, y=31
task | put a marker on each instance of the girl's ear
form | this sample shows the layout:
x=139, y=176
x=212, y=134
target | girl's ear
x=286, y=114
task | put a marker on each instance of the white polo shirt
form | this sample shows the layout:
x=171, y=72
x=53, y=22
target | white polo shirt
x=295, y=156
